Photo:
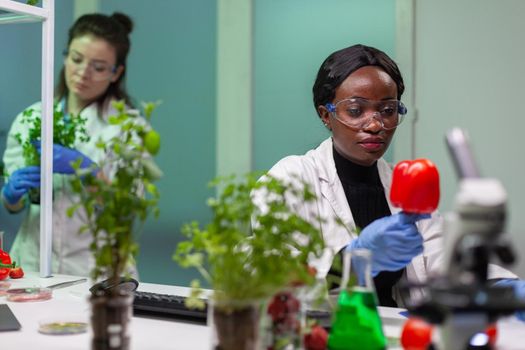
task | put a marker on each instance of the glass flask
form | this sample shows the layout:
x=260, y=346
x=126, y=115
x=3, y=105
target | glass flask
x=356, y=323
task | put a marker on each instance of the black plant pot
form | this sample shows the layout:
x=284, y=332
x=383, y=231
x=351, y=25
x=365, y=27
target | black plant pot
x=110, y=320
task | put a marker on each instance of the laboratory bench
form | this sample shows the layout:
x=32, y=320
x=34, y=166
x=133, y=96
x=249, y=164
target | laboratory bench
x=155, y=333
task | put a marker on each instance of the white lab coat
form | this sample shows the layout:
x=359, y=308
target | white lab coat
x=70, y=250
x=317, y=168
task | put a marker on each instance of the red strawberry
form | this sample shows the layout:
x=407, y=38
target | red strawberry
x=289, y=324
x=282, y=305
x=16, y=272
x=316, y=339
x=292, y=304
x=277, y=309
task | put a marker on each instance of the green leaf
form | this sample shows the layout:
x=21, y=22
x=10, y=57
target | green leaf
x=149, y=107
x=113, y=120
x=152, y=142
x=151, y=170
x=71, y=210
x=152, y=189
x=104, y=256
x=119, y=105
x=194, y=300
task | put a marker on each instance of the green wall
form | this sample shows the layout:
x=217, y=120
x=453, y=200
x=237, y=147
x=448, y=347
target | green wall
x=292, y=39
x=173, y=60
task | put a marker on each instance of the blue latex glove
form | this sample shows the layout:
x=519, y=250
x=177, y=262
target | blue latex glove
x=393, y=240
x=63, y=157
x=519, y=288
x=20, y=182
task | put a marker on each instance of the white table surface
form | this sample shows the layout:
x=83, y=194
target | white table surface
x=158, y=334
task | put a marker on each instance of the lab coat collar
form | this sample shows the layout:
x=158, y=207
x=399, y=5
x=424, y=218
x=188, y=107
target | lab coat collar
x=324, y=155
x=332, y=189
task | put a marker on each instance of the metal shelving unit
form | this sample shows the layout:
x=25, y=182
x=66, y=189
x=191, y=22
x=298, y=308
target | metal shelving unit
x=17, y=12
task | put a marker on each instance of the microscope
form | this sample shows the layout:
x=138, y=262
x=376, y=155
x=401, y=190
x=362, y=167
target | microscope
x=460, y=300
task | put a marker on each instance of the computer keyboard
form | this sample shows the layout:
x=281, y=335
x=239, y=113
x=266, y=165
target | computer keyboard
x=173, y=306
x=166, y=306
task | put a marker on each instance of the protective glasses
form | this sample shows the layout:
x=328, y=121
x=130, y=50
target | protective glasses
x=98, y=70
x=358, y=113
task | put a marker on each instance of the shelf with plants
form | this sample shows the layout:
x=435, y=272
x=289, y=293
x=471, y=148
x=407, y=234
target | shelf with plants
x=16, y=12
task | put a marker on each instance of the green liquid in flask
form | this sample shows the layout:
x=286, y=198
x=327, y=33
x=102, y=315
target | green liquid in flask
x=356, y=323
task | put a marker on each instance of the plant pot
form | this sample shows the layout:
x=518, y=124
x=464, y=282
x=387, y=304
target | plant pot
x=236, y=326
x=110, y=320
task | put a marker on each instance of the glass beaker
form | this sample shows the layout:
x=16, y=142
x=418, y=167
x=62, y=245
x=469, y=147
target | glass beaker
x=356, y=323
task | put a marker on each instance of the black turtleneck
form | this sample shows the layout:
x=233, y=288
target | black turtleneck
x=366, y=197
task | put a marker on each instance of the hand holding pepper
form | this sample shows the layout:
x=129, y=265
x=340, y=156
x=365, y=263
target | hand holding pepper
x=393, y=240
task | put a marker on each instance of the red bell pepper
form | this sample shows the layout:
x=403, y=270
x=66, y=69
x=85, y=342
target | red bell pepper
x=415, y=186
x=5, y=265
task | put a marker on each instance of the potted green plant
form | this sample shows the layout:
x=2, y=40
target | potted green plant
x=248, y=252
x=116, y=204
x=67, y=131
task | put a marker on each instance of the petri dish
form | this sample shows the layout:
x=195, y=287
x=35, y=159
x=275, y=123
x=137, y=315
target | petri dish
x=4, y=286
x=62, y=327
x=29, y=294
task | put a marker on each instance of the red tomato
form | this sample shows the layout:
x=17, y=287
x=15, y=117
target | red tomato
x=492, y=333
x=5, y=262
x=16, y=272
x=416, y=335
x=317, y=339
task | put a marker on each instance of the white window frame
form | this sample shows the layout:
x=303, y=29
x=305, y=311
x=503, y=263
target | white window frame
x=21, y=12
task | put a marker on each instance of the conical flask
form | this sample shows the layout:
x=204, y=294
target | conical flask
x=356, y=323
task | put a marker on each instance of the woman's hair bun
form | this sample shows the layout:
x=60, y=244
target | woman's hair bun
x=124, y=20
